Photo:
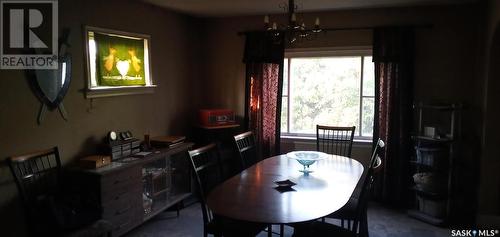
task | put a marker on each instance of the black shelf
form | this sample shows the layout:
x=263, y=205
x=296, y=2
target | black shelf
x=444, y=107
x=414, y=162
x=431, y=139
x=430, y=195
x=426, y=218
x=435, y=156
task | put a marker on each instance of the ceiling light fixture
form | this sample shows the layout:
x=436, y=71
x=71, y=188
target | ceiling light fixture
x=293, y=31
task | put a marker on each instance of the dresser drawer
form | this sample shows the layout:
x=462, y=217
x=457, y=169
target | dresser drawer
x=121, y=183
x=125, y=222
x=122, y=204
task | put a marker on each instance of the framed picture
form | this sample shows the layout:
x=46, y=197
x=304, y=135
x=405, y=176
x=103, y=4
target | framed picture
x=118, y=63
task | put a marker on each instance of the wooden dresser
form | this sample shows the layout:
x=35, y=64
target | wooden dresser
x=133, y=190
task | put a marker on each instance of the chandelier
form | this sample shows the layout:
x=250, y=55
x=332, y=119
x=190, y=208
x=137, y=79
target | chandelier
x=294, y=30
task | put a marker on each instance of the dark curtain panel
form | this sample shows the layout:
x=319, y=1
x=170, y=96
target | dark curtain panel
x=393, y=54
x=264, y=56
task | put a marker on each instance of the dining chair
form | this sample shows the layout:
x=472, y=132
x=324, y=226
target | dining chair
x=335, y=140
x=205, y=162
x=354, y=211
x=50, y=209
x=247, y=149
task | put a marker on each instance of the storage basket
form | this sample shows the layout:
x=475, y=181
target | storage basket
x=432, y=156
x=429, y=182
x=435, y=208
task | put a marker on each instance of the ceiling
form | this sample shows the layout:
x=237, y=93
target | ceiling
x=218, y=8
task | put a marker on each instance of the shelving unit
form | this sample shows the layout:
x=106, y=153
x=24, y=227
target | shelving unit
x=434, y=161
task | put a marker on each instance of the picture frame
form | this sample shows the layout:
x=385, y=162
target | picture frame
x=118, y=63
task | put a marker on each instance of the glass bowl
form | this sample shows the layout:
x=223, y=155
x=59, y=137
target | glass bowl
x=306, y=158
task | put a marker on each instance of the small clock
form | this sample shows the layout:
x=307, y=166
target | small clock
x=125, y=135
x=112, y=136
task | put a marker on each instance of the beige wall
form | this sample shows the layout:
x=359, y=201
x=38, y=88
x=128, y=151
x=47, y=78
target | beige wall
x=446, y=66
x=167, y=111
x=489, y=191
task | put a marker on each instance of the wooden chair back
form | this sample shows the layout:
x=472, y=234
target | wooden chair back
x=247, y=149
x=205, y=162
x=376, y=150
x=364, y=196
x=36, y=174
x=335, y=140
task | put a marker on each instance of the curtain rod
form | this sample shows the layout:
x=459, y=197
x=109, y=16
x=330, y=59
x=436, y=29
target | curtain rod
x=421, y=26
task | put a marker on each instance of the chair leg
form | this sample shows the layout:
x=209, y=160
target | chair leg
x=177, y=208
x=282, y=230
x=342, y=223
x=364, y=226
x=269, y=230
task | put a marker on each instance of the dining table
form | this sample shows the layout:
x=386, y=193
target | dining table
x=253, y=195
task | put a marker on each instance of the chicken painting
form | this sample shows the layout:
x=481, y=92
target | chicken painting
x=135, y=61
x=109, y=61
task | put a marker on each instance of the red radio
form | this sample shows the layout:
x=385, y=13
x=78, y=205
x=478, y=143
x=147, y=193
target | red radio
x=216, y=117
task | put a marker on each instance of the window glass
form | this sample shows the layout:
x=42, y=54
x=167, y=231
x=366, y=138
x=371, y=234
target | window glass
x=324, y=91
x=327, y=90
x=368, y=113
x=368, y=77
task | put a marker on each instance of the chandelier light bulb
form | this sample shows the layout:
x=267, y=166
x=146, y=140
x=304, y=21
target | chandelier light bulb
x=292, y=31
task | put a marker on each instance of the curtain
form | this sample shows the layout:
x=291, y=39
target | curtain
x=393, y=55
x=264, y=54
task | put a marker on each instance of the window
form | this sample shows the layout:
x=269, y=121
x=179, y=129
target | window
x=334, y=88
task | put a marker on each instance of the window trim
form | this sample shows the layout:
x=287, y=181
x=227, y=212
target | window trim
x=361, y=51
x=328, y=51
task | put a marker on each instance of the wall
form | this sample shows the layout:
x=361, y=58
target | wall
x=445, y=52
x=446, y=65
x=167, y=111
x=489, y=189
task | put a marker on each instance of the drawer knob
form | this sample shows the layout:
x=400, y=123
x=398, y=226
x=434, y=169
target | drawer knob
x=123, y=211
x=123, y=225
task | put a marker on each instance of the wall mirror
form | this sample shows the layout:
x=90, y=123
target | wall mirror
x=51, y=85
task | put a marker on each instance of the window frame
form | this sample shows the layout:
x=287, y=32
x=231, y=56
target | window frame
x=361, y=51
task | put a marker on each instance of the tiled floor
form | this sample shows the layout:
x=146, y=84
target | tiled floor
x=383, y=222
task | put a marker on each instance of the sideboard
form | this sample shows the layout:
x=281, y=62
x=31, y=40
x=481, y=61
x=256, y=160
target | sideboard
x=132, y=190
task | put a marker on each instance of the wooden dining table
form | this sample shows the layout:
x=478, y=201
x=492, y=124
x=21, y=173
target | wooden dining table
x=252, y=195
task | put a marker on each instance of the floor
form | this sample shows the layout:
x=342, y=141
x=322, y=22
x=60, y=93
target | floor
x=383, y=222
